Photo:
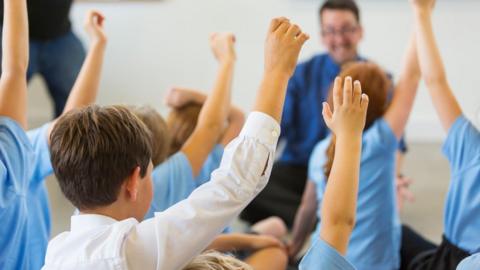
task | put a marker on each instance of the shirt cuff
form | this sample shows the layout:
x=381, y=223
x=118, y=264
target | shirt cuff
x=263, y=127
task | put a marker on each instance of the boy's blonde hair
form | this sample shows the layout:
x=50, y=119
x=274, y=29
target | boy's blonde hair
x=212, y=260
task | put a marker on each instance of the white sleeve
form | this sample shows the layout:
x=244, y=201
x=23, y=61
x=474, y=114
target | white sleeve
x=173, y=237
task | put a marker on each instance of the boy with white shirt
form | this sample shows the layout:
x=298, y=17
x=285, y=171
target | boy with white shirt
x=102, y=159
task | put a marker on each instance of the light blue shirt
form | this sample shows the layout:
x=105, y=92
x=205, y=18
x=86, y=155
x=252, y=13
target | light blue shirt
x=172, y=182
x=39, y=221
x=375, y=240
x=470, y=263
x=212, y=163
x=16, y=159
x=462, y=209
x=322, y=256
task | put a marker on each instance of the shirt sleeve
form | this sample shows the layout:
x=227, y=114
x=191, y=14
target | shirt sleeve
x=173, y=237
x=322, y=256
x=42, y=166
x=462, y=146
x=16, y=157
x=172, y=182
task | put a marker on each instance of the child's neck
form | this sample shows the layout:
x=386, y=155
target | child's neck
x=118, y=211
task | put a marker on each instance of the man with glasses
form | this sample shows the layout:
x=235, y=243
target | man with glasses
x=302, y=123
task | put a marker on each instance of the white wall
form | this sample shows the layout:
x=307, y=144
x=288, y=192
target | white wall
x=154, y=45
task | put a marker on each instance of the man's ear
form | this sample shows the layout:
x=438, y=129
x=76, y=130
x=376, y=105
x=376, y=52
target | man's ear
x=131, y=185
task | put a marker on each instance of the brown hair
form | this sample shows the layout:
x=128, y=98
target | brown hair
x=181, y=124
x=348, y=5
x=158, y=128
x=94, y=150
x=212, y=260
x=375, y=83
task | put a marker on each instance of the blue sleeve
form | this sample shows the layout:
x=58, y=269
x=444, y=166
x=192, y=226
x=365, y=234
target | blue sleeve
x=462, y=146
x=212, y=163
x=42, y=166
x=322, y=256
x=379, y=137
x=470, y=263
x=316, y=164
x=15, y=161
x=172, y=182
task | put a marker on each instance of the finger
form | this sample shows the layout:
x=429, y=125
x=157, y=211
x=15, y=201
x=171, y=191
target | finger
x=100, y=18
x=275, y=23
x=357, y=93
x=294, y=30
x=364, y=102
x=347, y=91
x=283, y=28
x=302, y=38
x=337, y=93
x=327, y=114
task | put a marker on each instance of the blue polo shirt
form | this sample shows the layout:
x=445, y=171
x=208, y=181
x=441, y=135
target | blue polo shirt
x=16, y=159
x=376, y=237
x=470, y=263
x=322, y=256
x=302, y=122
x=212, y=163
x=462, y=209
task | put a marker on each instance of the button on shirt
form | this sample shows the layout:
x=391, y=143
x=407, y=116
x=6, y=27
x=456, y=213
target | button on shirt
x=16, y=159
x=173, y=237
x=462, y=209
x=375, y=239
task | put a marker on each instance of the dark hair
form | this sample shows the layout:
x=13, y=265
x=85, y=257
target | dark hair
x=349, y=5
x=94, y=150
x=375, y=83
x=159, y=130
x=181, y=124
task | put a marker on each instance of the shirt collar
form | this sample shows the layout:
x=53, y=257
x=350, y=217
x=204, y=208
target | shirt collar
x=88, y=221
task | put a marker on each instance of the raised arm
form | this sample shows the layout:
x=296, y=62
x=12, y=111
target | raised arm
x=431, y=65
x=13, y=81
x=179, y=97
x=282, y=47
x=340, y=199
x=241, y=241
x=85, y=89
x=215, y=110
x=405, y=91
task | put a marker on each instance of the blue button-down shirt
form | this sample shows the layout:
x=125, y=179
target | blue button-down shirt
x=302, y=122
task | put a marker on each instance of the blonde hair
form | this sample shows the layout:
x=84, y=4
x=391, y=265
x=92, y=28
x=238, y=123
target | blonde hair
x=212, y=260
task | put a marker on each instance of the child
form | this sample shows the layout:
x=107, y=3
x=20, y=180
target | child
x=462, y=149
x=16, y=153
x=84, y=92
x=339, y=203
x=102, y=159
x=378, y=229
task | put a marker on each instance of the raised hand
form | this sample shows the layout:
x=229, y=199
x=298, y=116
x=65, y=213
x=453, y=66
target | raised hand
x=350, y=109
x=94, y=26
x=178, y=97
x=283, y=45
x=223, y=46
x=422, y=5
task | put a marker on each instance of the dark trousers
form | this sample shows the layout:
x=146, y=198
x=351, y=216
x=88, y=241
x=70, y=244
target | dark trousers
x=281, y=197
x=417, y=253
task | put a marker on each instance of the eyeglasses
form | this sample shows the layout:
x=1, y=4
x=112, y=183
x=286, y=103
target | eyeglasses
x=343, y=32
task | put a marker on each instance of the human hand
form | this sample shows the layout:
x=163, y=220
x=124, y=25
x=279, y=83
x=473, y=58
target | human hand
x=293, y=249
x=404, y=194
x=94, y=26
x=223, y=46
x=350, y=109
x=177, y=97
x=282, y=46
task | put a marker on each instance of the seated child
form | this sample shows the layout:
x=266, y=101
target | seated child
x=102, y=159
x=462, y=149
x=377, y=249
x=339, y=203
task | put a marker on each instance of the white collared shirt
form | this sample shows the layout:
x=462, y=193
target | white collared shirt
x=173, y=237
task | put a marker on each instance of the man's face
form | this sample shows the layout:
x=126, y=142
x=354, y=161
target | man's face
x=340, y=34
